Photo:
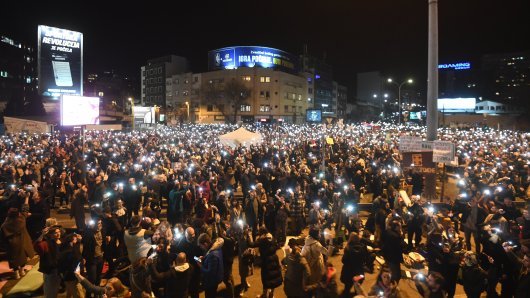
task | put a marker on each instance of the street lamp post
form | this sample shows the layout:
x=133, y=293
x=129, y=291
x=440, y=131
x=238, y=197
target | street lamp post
x=132, y=110
x=409, y=81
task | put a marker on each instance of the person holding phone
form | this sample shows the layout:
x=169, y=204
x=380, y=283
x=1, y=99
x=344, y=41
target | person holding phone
x=353, y=260
x=384, y=285
x=430, y=286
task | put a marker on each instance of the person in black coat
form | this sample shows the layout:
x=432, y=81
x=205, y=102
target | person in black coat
x=39, y=211
x=414, y=226
x=77, y=207
x=353, y=261
x=132, y=198
x=271, y=272
x=393, y=248
x=177, y=278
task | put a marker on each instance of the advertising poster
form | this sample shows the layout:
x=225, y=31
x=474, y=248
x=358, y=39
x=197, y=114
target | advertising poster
x=60, y=62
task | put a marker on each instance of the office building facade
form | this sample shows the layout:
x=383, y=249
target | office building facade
x=154, y=75
x=18, y=71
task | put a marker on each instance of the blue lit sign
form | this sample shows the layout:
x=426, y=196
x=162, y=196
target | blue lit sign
x=234, y=57
x=455, y=66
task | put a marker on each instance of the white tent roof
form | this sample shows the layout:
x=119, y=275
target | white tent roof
x=240, y=136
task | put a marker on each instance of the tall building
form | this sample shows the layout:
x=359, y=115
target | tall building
x=505, y=78
x=342, y=99
x=278, y=92
x=18, y=71
x=320, y=83
x=154, y=76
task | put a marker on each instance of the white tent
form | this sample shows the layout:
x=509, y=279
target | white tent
x=240, y=136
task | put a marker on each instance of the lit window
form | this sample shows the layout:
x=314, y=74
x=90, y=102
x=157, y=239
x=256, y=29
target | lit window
x=265, y=79
x=245, y=108
x=101, y=94
x=264, y=108
x=245, y=78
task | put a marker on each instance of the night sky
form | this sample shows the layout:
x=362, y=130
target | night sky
x=357, y=36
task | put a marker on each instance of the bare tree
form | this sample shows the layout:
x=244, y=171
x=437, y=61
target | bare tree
x=232, y=95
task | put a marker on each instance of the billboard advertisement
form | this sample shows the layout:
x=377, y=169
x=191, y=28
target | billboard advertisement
x=144, y=115
x=60, y=57
x=313, y=115
x=250, y=56
x=79, y=110
x=456, y=105
x=455, y=66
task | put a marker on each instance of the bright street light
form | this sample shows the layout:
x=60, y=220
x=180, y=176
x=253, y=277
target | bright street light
x=188, y=110
x=409, y=81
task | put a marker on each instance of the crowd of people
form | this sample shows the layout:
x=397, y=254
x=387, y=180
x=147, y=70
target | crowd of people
x=171, y=210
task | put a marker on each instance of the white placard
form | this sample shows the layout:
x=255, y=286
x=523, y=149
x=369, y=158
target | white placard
x=443, y=151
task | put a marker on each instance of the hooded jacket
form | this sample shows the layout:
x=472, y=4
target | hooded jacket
x=177, y=280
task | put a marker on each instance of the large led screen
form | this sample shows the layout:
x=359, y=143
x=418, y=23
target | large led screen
x=79, y=110
x=456, y=104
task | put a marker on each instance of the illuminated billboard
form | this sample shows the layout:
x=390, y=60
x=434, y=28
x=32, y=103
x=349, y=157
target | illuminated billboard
x=79, y=110
x=313, y=115
x=460, y=105
x=60, y=62
x=248, y=56
x=144, y=115
x=455, y=66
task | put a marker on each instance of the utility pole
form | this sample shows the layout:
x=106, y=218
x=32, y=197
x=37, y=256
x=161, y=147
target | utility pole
x=432, y=92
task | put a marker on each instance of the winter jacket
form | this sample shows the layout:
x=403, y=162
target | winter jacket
x=313, y=251
x=140, y=278
x=15, y=235
x=353, y=261
x=177, y=280
x=271, y=272
x=393, y=247
x=296, y=275
x=474, y=280
x=212, y=266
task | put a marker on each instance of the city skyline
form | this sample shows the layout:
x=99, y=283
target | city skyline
x=355, y=37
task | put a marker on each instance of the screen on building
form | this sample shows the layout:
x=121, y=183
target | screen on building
x=313, y=115
x=144, y=115
x=456, y=104
x=235, y=57
x=79, y=110
x=60, y=62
